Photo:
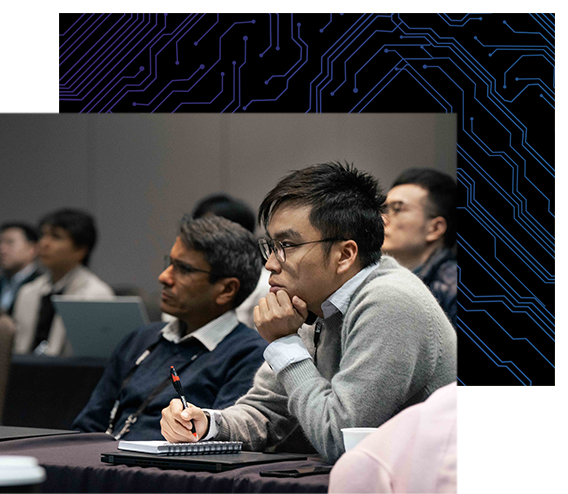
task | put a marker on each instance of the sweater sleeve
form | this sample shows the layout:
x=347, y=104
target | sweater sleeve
x=260, y=418
x=386, y=358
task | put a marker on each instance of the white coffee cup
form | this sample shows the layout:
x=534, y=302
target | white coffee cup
x=354, y=435
x=20, y=474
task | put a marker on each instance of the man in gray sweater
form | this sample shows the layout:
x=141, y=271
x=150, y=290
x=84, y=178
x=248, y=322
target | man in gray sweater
x=380, y=343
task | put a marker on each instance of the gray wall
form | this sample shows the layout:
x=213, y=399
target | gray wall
x=139, y=173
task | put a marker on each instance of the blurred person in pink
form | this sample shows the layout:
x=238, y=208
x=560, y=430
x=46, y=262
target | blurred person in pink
x=415, y=451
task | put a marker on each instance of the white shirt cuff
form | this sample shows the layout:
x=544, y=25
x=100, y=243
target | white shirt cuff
x=285, y=351
x=213, y=429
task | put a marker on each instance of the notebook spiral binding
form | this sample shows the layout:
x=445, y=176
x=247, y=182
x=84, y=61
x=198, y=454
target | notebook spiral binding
x=204, y=448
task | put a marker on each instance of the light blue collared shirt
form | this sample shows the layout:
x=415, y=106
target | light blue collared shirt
x=339, y=300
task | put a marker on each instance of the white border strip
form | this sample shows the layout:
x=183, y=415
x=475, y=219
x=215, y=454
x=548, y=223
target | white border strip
x=512, y=473
x=513, y=451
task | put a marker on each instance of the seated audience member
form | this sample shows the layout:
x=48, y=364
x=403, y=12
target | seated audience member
x=67, y=239
x=18, y=252
x=381, y=341
x=227, y=207
x=239, y=212
x=420, y=231
x=415, y=451
x=213, y=266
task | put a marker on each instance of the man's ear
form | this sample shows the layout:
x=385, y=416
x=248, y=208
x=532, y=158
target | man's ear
x=348, y=250
x=228, y=288
x=436, y=229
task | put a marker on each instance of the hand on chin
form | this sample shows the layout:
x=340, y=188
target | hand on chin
x=278, y=315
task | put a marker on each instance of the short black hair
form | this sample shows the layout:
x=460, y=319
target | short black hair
x=79, y=224
x=345, y=203
x=228, y=207
x=29, y=231
x=442, y=196
x=230, y=249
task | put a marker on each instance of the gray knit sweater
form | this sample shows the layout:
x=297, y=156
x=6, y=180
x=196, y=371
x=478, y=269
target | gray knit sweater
x=393, y=347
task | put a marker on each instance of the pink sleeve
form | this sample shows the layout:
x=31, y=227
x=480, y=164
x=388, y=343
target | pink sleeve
x=357, y=472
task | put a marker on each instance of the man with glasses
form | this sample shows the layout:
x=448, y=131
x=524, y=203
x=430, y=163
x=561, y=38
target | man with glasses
x=420, y=231
x=213, y=266
x=380, y=343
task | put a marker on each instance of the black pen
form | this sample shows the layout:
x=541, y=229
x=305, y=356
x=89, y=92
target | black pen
x=177, y=385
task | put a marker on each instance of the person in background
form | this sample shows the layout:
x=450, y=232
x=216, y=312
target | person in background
x=420, y=231
x=238, y=211
x=67, y=239
x=212, y=267
x=18, y=253
x=415, y=451
x=227, y=207
x=381, y=342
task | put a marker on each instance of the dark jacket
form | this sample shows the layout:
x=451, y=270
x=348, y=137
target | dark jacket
x=440, y=274
x=214, y=380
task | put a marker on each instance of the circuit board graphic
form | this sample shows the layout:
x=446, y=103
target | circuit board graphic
x=496, y=71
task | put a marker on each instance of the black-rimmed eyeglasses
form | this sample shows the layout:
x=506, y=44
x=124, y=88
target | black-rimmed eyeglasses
x=268, y=246
x=181, y=267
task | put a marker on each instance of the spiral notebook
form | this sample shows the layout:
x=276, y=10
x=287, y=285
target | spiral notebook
x=182, y=449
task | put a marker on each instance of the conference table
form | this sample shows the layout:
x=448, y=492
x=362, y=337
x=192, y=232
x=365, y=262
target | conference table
x=73, y=464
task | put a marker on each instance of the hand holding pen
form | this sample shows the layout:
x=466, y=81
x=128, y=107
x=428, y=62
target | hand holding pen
x=177, y=385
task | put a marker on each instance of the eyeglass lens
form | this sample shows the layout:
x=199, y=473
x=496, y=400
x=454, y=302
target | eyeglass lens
x=269, y=246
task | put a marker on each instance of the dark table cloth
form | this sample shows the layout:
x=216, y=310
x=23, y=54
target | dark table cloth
x=73, y=464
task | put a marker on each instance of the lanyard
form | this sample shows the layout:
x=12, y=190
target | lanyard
x=133, y=417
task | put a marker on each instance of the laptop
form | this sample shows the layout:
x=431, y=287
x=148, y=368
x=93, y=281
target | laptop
x=210, y=463
x=95, y=327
